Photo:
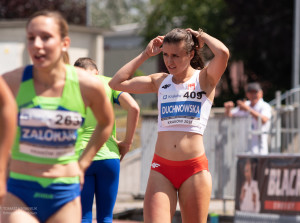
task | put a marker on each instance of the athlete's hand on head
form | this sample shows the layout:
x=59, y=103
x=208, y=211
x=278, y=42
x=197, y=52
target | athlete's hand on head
x=154, y=46
x=193, y=32
x=196, y=33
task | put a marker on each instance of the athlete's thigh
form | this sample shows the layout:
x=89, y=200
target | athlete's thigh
x=194, y=196
x=87, y=196
x=160, y=199
x=69, y=213
x=14, y=210
x=107, y=182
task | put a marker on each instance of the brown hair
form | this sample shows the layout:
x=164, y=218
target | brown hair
x=85, y=63
x=61, y=22
x=191, y=44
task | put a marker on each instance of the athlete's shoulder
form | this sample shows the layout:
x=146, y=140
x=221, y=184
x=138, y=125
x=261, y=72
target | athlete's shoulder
x=13, y=79
x=161, y=75
x=14, y=73
x=84, y=76
x=88, y=82
x=158, y=78
x=91, y=87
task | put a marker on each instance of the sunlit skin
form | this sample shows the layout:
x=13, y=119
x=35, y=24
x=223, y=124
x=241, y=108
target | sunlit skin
x=92, y=71
x=46, y=48
x=8, y=122
x=161, y=196
x=177, y=61
x=44, y=42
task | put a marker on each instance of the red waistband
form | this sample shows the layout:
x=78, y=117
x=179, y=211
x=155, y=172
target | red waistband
x=199, y=159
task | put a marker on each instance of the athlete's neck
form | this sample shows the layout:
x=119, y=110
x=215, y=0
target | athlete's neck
x=184, y=77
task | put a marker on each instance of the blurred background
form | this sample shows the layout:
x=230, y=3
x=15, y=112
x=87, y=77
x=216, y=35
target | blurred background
x=263, y=37
x=259, y=34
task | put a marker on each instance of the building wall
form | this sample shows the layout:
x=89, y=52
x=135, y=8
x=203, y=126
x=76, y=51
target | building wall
x=122, y=46
x=12, y=48
x=116, y=58
x=85, y=42
x=110, y=52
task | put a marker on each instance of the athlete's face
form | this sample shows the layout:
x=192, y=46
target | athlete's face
x=44, y=41
x=175, y=57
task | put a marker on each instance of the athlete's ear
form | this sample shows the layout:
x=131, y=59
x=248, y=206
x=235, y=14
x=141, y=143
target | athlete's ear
x=192, y=54
x=66, y=43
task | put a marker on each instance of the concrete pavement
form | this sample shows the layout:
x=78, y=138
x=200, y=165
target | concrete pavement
x=128, y=208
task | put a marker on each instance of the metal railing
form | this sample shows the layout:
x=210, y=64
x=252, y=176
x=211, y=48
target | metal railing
x=285, y=127
x=224, y=139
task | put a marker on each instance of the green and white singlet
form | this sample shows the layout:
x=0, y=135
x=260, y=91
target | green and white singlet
x=48, y=126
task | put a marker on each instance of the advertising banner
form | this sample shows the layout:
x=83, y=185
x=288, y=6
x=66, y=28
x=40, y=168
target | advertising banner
x=268, y=184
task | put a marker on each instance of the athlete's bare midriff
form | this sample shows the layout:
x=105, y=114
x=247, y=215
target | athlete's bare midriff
x=179, y=146
x=45, y=170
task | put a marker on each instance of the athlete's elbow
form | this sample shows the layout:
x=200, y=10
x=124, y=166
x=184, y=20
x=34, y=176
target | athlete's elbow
x=112, y=84
x=225, y=53
x=135, y=108
x=135, y=113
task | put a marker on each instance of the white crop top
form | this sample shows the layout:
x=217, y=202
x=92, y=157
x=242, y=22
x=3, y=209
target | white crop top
x=183, y=107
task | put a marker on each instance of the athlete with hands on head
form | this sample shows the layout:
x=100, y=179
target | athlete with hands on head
x=179, y=168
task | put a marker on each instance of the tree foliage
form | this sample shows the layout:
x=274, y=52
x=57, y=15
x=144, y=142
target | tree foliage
x=73, y=10
x=263, y=36
x=101, y=13
x=211, y=16
x=207, y=14
x=107, y=13
x=257, y=32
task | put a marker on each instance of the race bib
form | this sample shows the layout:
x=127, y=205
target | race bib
x=181, y=108
x=48, y=133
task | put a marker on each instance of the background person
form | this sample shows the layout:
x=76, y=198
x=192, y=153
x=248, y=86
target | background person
x=179, y=169
x=102, y=177
x=52, y=97
x=259, y=110
x=8, y=122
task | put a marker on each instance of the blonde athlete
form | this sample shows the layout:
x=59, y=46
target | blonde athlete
x=179, y=169
x=52, y=98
